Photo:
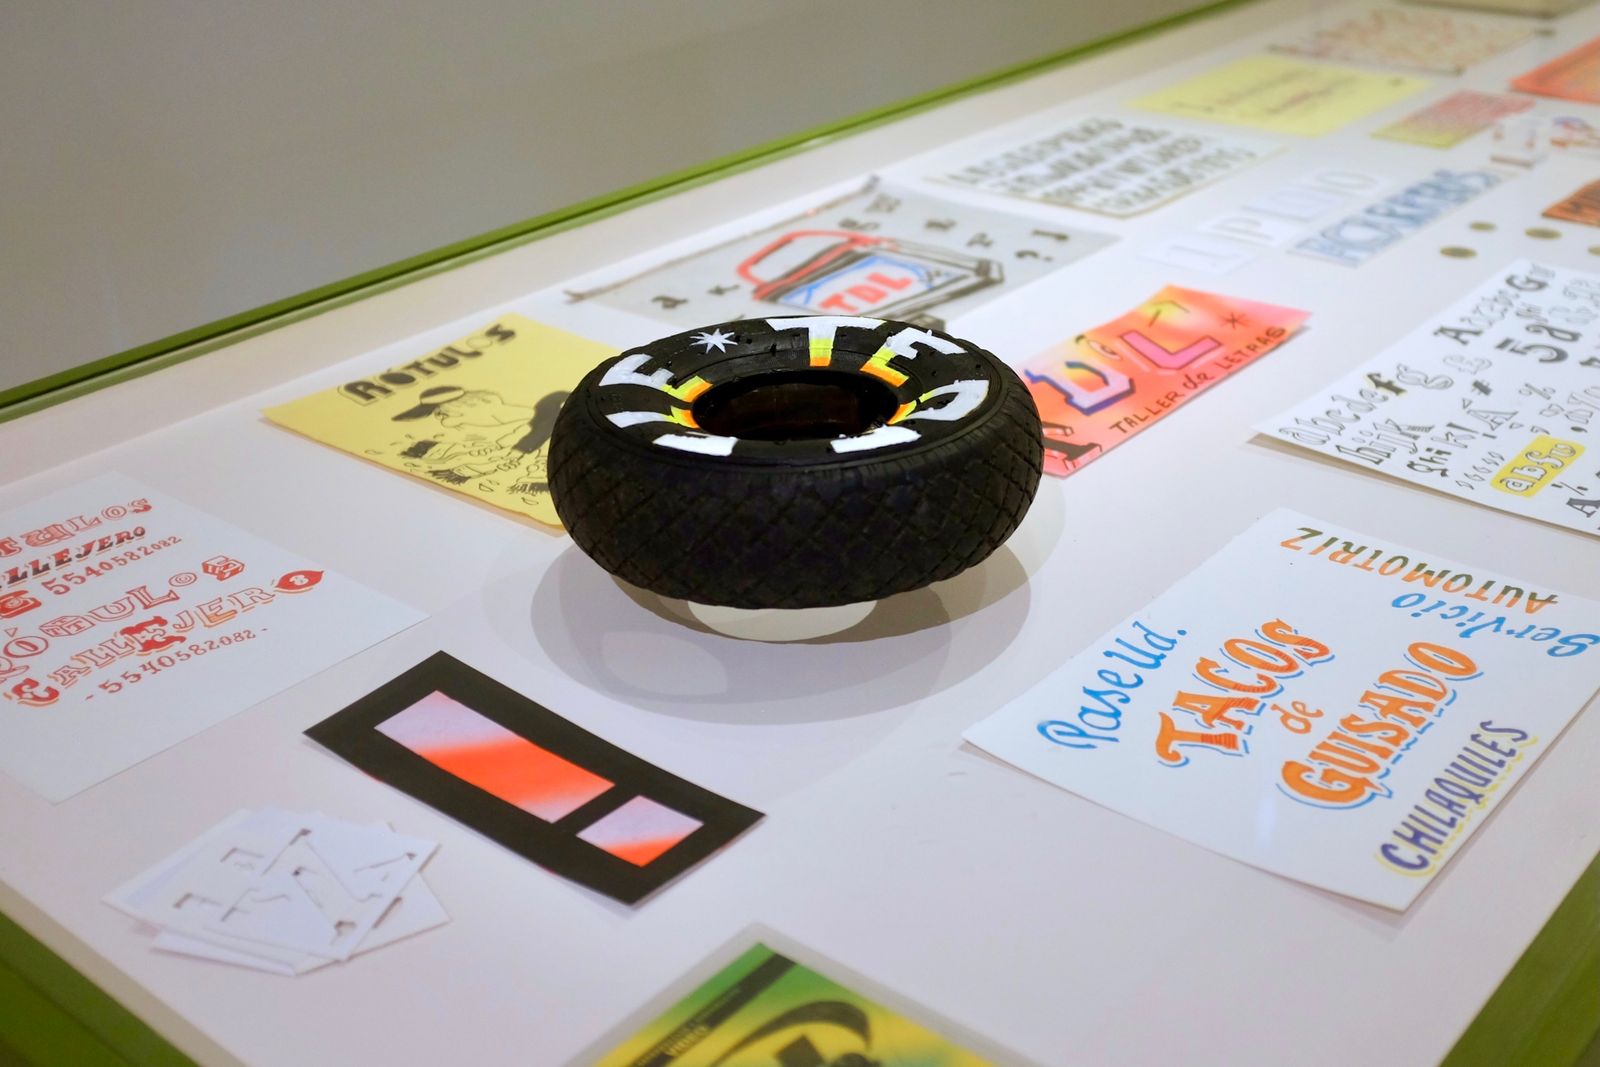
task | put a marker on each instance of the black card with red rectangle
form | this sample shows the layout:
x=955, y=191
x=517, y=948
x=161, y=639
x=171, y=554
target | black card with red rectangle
x=545, y=788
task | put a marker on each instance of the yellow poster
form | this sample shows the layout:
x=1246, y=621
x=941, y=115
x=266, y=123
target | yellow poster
x=474, y=416
x=1282, y=95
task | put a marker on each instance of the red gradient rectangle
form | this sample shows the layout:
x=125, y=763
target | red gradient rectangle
x=478, y=750
x=639, y=830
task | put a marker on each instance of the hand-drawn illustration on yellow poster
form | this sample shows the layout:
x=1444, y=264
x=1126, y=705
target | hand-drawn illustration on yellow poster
x=1282, y=95
x=474, y=416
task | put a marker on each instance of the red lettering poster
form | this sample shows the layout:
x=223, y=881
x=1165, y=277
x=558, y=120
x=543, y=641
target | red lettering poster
x=131, y=621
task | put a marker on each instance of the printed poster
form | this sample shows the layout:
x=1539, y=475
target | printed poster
x=523, y=776
x=1109, y=165
x=1494, y=400
x=132, y=621
x=1452, y=120
x=1116, y=379
x=1282, y=95
x=766, y=1010
x=1572, y=133
x=1438, y=42
x=1323, y=704
x=1526, y=140
x=882, y=251
x=1581, y=207
x=474, y=416
x=1574, y=76
x=1359, y=236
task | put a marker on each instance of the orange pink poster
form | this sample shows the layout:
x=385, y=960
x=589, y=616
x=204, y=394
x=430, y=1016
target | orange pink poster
x=1116, y=379
x=1573, y=76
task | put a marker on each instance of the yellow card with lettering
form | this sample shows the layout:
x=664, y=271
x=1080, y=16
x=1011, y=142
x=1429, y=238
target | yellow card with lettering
x=474, y=416
x=1282, y=95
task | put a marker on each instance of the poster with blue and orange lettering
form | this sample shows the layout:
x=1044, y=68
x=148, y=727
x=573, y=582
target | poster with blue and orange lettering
x=1323, y=704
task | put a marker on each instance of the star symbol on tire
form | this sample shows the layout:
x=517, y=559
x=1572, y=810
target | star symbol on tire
x=709, y=339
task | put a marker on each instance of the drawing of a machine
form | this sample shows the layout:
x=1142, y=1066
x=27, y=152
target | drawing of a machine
x=845, y=273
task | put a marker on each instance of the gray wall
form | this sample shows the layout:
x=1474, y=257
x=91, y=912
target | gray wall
x=165, y=163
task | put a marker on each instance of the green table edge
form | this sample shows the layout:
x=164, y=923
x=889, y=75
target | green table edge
x=50, y=1014
x=1545, y=1012
x=1547, y=1008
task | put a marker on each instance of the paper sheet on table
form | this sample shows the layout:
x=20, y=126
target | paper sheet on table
x=765, y=1008
x=1359, y=236
x=1452, y=120
x=1282, y=95
x=135, y=621
x=394, y=906
x=1115, y=380
x=1431, y=41
x=882, y=250
x=1582, y=207
x=1320, y=703
x=1494, y=400
x=474, y=416
x=1527, y=140
x=415, y=911
x=1573, y=76
x=1103, y=163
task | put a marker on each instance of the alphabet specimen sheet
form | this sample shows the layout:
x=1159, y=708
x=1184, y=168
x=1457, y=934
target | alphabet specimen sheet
x=129, y=622
x=1106, y=164
x=1493, y=400
x=1322, y=704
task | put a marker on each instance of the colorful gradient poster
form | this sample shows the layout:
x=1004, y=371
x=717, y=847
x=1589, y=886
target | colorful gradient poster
x=1325, y=704
x=1115, y=380
x=1282, y=95
x=473, y=417
x=1450, y=121
x=765, y=1009
x=1573, y=76
x=1582, y=207
x=543, y=787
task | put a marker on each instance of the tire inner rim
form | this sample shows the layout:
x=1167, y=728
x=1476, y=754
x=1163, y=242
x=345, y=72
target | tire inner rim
x=796, y=405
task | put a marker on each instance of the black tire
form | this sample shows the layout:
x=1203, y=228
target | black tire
x=811, y=494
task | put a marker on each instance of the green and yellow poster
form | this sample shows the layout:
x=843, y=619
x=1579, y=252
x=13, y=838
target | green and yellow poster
x=766, y=1010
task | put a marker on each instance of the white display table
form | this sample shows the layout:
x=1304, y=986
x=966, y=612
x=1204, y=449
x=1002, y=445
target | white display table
x=1058, y=928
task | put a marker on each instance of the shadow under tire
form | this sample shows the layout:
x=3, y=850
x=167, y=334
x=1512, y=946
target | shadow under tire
x=795, y=462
